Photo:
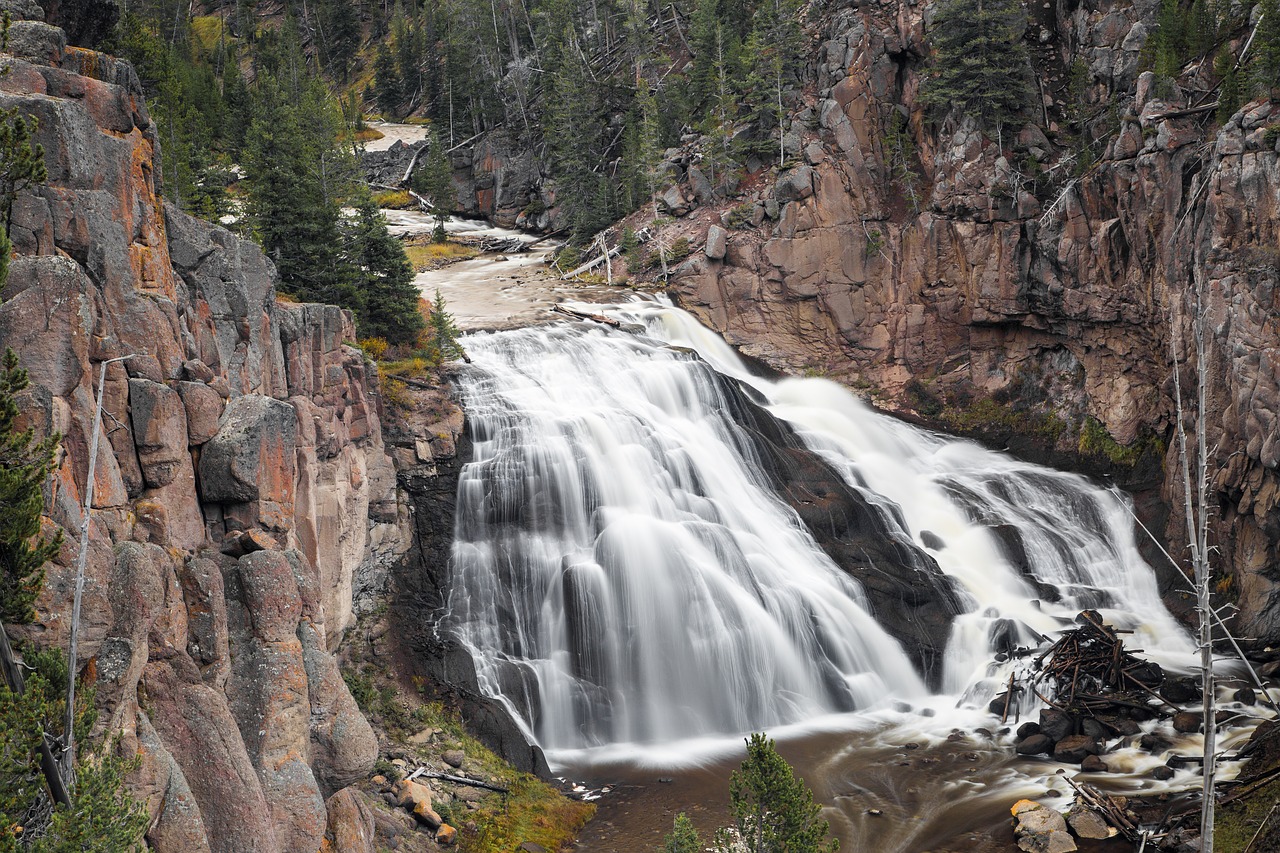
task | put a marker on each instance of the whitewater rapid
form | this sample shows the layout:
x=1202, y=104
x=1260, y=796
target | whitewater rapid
x=624, y=576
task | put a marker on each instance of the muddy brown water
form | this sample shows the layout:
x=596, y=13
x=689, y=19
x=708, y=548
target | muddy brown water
x=888, y=790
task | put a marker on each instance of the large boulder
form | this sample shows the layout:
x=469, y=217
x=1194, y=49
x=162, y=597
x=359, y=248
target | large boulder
x=204, y=410
x=251, y=462
x=717, y=242
x=343, y=745
x=197, y=727
x=794, y=185
x=351, y=823
x=159, y=430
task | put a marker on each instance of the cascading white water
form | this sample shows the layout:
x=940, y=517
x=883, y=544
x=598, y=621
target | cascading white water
x=623, y=572
x=993, y=522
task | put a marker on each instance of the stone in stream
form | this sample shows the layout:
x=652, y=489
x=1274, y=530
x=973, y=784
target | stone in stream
x=1162, y=773
x=1245, y=696
x=1155, y=742
x=1095, y=729
x=1040, y=829
x=1036, y=744
x=1073, y=749
x=1028, y=729
x=1187, y=722
x=1094, y=764
x=1181, y=691
x=1056, y=724
x=1086, y=823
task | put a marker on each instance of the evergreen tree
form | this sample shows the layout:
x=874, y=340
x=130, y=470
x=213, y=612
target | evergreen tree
x=706, y=39
x=103, y=817
x=434, y=182
x=21, y=160
x=980, y=61
x=340, y=25
x=774, y=51
x=683, y=837
x=773, y=810
x=1265, y=66
x=387, y=87
x=24, y=465
x=294, y=193
x=1170, y=41
x=1229, y=97
x=387, y=305
x=444, y=331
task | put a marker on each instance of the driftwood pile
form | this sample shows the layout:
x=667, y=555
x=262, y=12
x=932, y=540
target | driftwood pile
x=1096, y=690
x=1089, y=669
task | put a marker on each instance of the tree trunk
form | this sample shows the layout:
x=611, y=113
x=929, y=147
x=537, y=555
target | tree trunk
x=48, y=764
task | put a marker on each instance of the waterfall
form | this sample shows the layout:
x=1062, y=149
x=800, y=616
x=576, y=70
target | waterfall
x=625, y=570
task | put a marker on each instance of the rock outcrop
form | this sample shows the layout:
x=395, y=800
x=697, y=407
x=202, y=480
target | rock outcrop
x=241, y=493
x=947, y=269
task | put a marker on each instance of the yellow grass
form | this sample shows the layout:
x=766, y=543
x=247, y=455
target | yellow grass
x=430, y=256
x=398, y=199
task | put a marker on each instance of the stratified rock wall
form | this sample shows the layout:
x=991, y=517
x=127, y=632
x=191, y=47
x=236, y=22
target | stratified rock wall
x=995, y=272
x=242, y=490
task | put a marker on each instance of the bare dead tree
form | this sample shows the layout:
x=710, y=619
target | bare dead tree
x=1197, y=519
x=69, y=746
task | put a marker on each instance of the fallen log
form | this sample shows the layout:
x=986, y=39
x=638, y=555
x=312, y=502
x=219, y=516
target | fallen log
x=582, y=315
x=457, y=780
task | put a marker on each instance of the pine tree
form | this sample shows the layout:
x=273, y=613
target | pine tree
x=387, y=86
x=980, y=61
x=434, y=181
x=444, y=331
x=295, y=191
x=1265, y=66
x=772, y=809
x=683, y=837
x=24, y=465
x=103, y=817
x=21, y=159
x=341, y=27
x=387, y=305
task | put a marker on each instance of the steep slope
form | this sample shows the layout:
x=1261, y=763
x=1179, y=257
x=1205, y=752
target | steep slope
x=241, y=490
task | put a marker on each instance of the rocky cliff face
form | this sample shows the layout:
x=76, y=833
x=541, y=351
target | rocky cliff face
x=241, y=488
x=997, y=277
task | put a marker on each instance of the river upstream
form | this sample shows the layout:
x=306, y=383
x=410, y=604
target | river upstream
x=636, y=589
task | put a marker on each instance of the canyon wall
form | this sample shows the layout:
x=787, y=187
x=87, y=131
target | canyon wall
x=1014, y=277
x=242, y=493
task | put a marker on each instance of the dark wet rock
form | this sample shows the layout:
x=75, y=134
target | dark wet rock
x=1187, y=722
x=1036, y=744
x=1093, y=764
x=1056, y=724
x=1245, y=696
x=1181, y=690
x=1155, y=743
x=1163, y=773
x=1028, y=729
x=1073, y=749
